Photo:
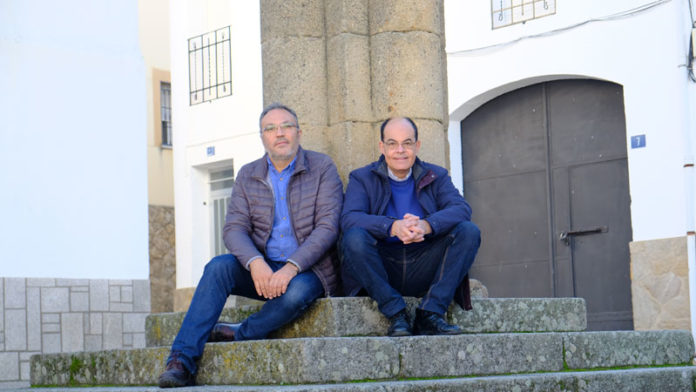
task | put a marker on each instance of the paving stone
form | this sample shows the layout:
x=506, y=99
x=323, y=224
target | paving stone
x=55, y=299
x=9, y=366
x=95, y=323
x=113, y=330
x=15, y=293
x=141, y=296
x=50, y=343
x=72, y=332
x=79, y=301
x=134, y=322
x=41, y=282
x=15, y=330
x=98, y=295
x=33, y=318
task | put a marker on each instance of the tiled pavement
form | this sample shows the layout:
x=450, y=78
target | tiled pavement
x=48, y=315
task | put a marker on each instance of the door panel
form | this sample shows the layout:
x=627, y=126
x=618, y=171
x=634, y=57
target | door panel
x=547, y=159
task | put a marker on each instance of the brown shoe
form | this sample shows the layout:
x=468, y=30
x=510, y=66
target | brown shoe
x=175, y=374
x=223, y=332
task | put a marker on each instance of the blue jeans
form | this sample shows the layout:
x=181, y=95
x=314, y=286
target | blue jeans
x=432, y=269
x=224, y=276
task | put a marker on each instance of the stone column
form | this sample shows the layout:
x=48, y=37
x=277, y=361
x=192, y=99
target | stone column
x=346, y=65
x=351, y=123
x=293, y=49
x=409, y=76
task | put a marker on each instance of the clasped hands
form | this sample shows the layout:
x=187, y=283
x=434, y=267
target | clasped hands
x=271, y=284
x=410, y=229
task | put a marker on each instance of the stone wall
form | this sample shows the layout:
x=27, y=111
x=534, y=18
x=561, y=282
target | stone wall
x=660, y=284
x=162, y=258
x=67, y=315
x=347, y=65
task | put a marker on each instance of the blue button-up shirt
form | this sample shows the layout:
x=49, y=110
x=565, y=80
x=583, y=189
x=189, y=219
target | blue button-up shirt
x=282, y=242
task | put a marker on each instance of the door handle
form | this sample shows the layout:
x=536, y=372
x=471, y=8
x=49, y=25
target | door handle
x=565, y=235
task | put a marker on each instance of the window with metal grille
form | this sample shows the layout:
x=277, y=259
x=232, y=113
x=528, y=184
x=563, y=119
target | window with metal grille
x=510, y=12
x=220, y=190
x=166, y=113
x=210, y=63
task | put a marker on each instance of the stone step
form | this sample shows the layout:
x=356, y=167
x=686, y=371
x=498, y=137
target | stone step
x=341, y=360
x=663, y=379
x=359, y=316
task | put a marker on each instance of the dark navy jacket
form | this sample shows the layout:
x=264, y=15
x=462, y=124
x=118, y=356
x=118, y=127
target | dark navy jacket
x=369, y=191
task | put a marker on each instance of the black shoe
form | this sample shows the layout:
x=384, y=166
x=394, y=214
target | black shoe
x=223, y=332
x=176, y=375
x=430, y=323
x=399, y=325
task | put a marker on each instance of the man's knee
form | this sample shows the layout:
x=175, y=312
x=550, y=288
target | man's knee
x=468, y=231
x=220, y=264
x=355, y=239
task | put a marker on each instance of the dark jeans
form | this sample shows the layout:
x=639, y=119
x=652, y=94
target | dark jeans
x=432, y=269
x=224, y=276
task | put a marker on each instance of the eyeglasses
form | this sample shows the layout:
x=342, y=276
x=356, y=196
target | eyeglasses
x=285, y=127
x=393, y=145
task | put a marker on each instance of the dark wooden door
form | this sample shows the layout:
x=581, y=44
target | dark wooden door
x=545, y=171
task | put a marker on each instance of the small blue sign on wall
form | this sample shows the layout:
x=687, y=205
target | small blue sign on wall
x=210, y=151
x=638, y=141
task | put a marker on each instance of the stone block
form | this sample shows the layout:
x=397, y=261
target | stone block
x=288, y=18
x=114, y=293
x=349, y=89
x=434, y=145
x=407, y=15
x=346, y=16
x=9, y=366
x=408, y=76
x=127, y=340
x=50, y=318
x=134, y=322
x=15, y=330
x=113, y=330
x=72, y=332
x=126, y=293
x=50, y=342
x=72, y=282
x=93, y=342
x=55, y=299
x=591, y=350
x=2, y=307
x=33, y=318
x=141, y=296
x=355, y=144
x=121, y=307
x=79, y=301
x=317, y=138
x=41, y=282
x=15, y=293
x=660, y=284
x=95, y=323
x=98, y=295
x=294, y=73
x=480, y=354
x=50, y=327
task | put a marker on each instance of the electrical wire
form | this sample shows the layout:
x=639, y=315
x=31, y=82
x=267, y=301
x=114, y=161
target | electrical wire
x=619, y=15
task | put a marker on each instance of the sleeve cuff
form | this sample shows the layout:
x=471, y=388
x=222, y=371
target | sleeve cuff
x=246, y=265
x=293, y=262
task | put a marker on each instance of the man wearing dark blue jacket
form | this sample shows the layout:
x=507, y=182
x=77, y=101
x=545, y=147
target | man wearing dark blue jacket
x=407, y=231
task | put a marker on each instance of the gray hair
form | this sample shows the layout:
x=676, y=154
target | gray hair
x=277, y=105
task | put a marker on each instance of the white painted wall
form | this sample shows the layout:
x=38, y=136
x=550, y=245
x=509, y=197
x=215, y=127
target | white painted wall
x=73, y=190
x=230, y=124
x=645, y=52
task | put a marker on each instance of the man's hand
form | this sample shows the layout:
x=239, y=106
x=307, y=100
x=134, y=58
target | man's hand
x=280, y=280
x=261, y=274
x=411, y=229
x=271, y=284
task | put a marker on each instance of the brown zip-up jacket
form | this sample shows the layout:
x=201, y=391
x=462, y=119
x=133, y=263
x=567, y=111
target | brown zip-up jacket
x=315, y=198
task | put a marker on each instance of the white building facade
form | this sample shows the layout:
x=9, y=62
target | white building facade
x=642, y=50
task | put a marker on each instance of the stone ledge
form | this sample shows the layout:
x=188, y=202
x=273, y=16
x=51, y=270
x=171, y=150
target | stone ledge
x=337, y=360
x=359, y=316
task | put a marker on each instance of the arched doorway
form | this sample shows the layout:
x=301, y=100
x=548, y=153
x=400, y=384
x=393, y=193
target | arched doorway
x=545, y=171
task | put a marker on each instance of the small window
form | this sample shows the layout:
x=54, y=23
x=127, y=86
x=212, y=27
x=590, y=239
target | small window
x=166, y=113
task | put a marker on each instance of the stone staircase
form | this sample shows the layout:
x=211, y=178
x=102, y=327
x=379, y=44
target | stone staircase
x=516, y=344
